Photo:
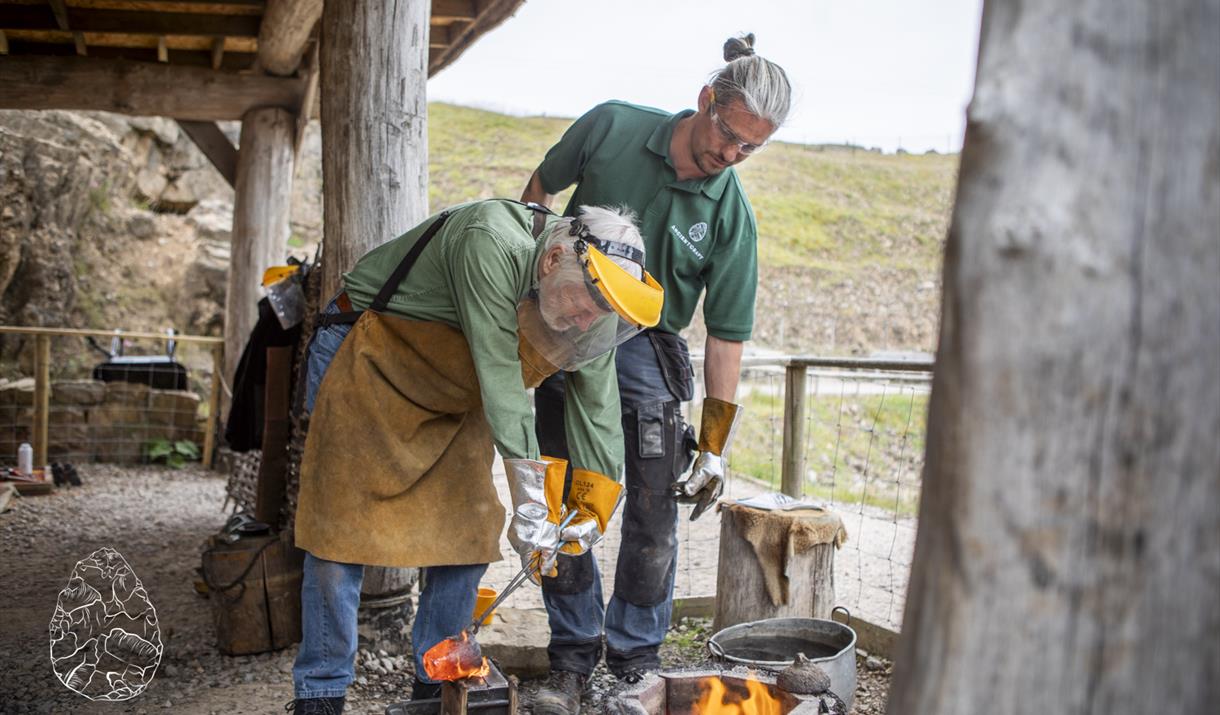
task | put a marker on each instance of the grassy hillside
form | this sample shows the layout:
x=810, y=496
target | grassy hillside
x=850, y=240
x=825, y=207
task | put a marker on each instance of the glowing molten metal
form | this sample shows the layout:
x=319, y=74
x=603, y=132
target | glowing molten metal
x=455, y=658
x=719, y=700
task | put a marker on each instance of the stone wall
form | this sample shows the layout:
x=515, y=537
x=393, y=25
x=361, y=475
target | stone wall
x=94, y=421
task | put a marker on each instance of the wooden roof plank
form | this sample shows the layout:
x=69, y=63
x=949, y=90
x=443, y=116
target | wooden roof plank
x=33, y=17
x=210, y=7
x=3, y=43
x=230, y=61
x=489, y=15
x=113, y=39
x=447, y=11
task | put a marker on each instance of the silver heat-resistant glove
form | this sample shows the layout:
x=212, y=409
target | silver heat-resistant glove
x=705, y=483
x=532, y=534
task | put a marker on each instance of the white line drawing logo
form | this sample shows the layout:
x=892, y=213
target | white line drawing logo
x=698, y=231
x=105, y=642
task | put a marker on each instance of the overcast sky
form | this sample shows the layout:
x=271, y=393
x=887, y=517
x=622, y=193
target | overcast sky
x=886, y=73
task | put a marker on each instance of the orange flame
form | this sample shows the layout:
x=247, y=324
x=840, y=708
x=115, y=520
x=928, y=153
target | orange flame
x=455, y=658
x=719, y=700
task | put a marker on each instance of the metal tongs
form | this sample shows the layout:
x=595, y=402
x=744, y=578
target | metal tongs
x=524, y=575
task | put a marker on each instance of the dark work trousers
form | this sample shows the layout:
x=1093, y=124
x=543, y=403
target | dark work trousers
x=637, y=617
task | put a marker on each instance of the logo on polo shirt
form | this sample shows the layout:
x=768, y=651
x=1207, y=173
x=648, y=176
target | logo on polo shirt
x=677, y=232
x=698, y=231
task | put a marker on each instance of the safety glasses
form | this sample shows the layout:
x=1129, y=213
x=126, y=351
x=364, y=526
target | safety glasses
x=728, y=134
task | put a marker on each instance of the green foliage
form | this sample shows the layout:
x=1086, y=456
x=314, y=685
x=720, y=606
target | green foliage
x=173, y=453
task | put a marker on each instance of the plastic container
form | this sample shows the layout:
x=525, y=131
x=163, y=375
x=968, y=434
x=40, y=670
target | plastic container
x=484, y=599
x=25, y=458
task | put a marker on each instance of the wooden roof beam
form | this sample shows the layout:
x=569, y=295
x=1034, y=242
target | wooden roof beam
x=215, y=146
x=284, y=34
x=3, y=43
x=140, y=88
x=218, y=52
x=61, y=20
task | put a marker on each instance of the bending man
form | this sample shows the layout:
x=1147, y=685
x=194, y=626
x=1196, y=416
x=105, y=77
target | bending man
x=418, y=368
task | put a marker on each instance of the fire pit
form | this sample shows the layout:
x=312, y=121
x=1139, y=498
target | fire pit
x=719, y=692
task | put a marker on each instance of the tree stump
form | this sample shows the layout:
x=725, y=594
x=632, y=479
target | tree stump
x=775, y=564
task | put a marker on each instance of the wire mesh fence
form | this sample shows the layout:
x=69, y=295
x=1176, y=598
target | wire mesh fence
x=862, y=449
x=94, y=396
x=860, y=452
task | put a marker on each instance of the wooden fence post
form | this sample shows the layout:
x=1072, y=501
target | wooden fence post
x=42, y=397
x=209, y=434
x=793, y=461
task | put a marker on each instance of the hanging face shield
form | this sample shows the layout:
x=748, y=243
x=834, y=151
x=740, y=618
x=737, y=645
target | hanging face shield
x=585, y=303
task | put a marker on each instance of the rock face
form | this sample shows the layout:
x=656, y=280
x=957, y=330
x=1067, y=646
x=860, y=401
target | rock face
x=105, y=642
x=108, y=221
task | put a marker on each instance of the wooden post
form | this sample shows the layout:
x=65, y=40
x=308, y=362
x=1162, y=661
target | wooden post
x=262, y=203
x=793, y=464
x=771, y=566
x=374, y=144
x=374, y=127
x=1068, y=554
x=209, y=433
x=42, y=397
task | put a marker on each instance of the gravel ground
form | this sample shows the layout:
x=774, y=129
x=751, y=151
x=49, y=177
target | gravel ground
x=158, y=520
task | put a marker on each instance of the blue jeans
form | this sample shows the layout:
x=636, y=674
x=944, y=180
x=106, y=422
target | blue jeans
x=637, y=617
x=330, y=591
x=330, y=598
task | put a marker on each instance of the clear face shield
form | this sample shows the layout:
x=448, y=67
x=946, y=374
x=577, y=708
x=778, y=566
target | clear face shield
x=585, y=307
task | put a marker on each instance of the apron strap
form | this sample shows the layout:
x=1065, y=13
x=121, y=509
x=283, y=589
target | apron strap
x=404, y=267
x=382, y=300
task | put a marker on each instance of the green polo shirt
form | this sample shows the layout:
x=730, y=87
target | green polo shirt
x=698, y=234
x=471, y=276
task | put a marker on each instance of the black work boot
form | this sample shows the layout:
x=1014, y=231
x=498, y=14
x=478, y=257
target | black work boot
x=631, y=666
x=561, y=694
x=316, y=706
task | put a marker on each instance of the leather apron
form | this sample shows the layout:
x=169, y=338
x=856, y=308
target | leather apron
x=397, y=464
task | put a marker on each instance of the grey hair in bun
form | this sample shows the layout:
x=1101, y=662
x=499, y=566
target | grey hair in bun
x=735, y=47
x=759, y=84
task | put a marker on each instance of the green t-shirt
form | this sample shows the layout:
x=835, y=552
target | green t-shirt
x=698, y=233
x=471, y=276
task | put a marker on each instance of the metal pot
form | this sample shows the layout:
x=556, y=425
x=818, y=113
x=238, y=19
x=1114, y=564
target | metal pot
x=774, y=642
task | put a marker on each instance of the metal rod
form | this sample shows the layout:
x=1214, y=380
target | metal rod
x=18, y=330
x=516, y=581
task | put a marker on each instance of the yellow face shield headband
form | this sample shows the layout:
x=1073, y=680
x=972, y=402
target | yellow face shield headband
x=612, y=287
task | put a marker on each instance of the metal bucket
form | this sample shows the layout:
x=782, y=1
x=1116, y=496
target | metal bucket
x=774, y=642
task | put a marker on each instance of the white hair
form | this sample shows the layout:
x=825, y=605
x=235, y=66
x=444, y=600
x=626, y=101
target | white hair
x=759, y=84
x=606, y=223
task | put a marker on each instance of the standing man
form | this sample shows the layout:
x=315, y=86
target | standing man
x=418, y=367
x=675, y=171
